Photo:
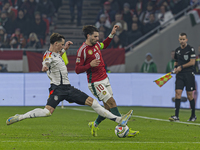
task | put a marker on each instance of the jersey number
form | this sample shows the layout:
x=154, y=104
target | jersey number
x=100, y=88
x=97, y=56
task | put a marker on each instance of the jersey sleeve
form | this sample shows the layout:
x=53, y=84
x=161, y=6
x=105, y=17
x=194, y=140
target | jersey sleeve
x=47, y=58
x=192, y=54
x=105, y=43
x=80, y=61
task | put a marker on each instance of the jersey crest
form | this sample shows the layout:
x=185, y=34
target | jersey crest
x=186, y=57
x=90, y=52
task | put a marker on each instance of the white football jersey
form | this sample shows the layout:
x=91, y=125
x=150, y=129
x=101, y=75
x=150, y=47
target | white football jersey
x=57, y=72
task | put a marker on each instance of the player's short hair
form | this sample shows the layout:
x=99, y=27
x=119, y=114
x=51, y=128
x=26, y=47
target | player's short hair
x=56, y=37
x=89, y=29
x=183, y=34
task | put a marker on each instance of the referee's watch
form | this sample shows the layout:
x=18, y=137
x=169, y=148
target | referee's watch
x=181, y=66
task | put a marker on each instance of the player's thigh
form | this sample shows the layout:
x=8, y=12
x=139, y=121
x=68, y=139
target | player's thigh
x=101, y=90
x=76, y=96
x=54, y=100
x=109, y=88
x=190, y=81
x=179, y=83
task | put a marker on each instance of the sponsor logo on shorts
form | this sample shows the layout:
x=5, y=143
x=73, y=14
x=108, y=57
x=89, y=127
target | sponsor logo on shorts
x=78, y=60
x=104, y=92
x=55, y=97
x=90, y=52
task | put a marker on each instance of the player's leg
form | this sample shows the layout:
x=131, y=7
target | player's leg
x=177, y=105
x=192, y=105
x=81, y=98
x=190, y=86
x=107, y=114
x=99, y=118
x=179, y=89
x=52, y=102
x=38, y=112
x=103, y=91
x=112, y=104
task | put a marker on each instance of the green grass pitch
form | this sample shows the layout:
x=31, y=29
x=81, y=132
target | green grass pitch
x=67, y=129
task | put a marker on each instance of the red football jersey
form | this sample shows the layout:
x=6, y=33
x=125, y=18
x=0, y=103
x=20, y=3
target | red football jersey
x=85, y=55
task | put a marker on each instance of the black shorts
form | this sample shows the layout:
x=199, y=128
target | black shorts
x=185, y=79
x=65, y=92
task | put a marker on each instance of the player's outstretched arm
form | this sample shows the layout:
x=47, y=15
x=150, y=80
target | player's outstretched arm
x=107, y=41
x=66, y=47
x=114, y=29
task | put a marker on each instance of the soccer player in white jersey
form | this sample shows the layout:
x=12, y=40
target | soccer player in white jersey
x=61, y=89
x=89, y=59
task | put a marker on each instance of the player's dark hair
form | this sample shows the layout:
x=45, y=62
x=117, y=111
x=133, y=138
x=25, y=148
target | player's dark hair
x=56, y=37
x=89, y=29
x=183, y=34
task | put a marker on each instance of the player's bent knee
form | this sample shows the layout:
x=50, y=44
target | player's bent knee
x=111, y=102
x=89, y=101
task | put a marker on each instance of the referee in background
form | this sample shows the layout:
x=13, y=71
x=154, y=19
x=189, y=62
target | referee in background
x=184, y=69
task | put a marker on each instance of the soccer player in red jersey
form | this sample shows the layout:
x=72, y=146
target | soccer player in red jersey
x=89, y=59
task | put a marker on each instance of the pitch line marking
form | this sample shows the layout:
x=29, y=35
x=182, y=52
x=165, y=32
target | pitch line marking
x=143, y=117
x=105, y=142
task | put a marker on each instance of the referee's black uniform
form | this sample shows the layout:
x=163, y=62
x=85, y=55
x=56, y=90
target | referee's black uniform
x=186, y=76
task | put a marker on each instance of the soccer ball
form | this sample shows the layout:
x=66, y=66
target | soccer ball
x=121, y=132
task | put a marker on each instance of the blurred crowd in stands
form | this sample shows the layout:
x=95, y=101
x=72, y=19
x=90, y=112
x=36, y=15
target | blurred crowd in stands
x=136, y=18
x=25, y=23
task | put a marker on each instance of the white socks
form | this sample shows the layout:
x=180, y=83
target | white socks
x=104, y=112
x=38, y=112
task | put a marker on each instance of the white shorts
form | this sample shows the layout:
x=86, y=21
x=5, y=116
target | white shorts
x=101, y=89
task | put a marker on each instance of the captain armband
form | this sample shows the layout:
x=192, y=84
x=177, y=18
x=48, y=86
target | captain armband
x=102, y=46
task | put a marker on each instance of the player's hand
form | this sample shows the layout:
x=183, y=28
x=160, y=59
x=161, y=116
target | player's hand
x=177, y=70
x=67, y=45
x=114, y=29
x=45, y=68
x=95, y=62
